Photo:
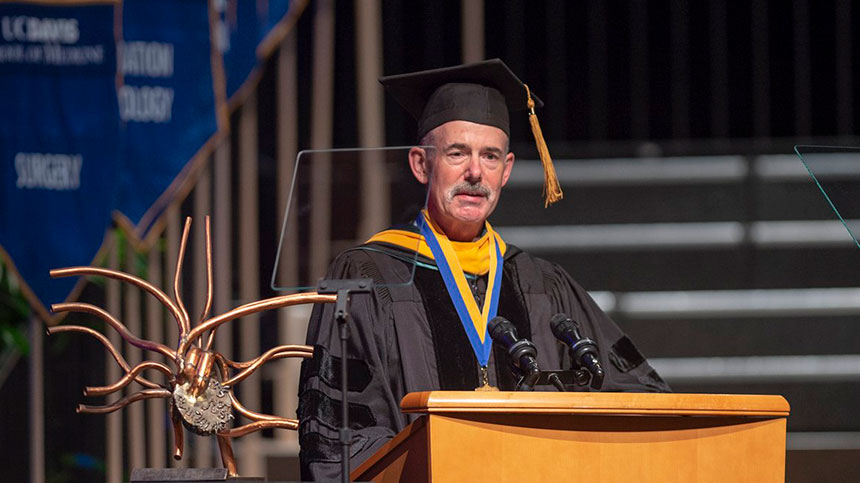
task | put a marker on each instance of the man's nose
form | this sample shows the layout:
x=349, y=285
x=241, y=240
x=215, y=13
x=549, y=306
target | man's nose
x=474, y=170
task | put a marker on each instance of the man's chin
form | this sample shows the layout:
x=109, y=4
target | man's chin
x=471, y=215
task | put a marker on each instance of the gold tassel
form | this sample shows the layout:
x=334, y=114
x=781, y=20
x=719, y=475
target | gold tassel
x=551, y=189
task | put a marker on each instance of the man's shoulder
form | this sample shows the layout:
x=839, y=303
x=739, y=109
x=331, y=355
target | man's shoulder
x=532, y=273
x=520, y=259
x=379, y=251
x=378, y=261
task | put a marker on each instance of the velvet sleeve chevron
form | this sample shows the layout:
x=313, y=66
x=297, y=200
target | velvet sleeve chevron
x=374, y=374
x=626, y=368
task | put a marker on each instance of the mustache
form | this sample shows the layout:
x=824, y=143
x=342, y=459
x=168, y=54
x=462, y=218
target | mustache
x=465, y=188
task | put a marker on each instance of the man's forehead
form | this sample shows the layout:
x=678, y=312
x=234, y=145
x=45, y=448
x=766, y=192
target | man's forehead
x=469, y=134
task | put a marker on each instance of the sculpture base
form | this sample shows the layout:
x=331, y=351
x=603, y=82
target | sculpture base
x=198, y=475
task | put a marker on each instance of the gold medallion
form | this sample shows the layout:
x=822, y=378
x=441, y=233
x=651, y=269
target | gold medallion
x=485, y=380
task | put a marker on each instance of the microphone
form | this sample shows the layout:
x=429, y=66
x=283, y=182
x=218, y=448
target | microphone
x=522, y=352
x=583, y=351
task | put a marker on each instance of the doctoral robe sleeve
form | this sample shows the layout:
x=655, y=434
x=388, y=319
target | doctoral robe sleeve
x=625, y=367
x=374, y=376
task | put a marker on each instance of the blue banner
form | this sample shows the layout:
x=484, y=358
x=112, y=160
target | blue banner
x=272, y=15
x=167, y=103
x=107, y=114
x=238, y=36
x=58, y=139
x=243, y=25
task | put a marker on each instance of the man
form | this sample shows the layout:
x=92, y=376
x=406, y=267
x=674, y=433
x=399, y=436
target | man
x=431, y=333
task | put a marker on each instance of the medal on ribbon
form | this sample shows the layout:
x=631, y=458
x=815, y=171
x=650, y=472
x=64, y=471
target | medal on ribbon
x=473, y=319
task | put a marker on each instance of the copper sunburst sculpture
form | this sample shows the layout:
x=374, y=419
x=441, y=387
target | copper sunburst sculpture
x=200, y=384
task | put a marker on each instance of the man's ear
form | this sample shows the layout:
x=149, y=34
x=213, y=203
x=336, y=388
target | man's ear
x=509, y=165
x=419, y=164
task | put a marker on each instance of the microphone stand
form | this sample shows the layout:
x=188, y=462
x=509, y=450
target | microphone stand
x=561, y=380
x=528, y=377
x=344, y=289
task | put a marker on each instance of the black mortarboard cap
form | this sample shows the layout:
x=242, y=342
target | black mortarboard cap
x=481, y=92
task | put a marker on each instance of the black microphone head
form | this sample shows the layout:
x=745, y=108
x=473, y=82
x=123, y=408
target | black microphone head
x=498, y=325
x=560, y=323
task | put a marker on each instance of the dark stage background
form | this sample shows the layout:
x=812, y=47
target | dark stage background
x=673, y=125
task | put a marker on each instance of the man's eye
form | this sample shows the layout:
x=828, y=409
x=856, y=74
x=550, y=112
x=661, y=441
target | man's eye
x=491, y=159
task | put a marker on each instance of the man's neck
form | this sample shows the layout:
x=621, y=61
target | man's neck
x=457, y=230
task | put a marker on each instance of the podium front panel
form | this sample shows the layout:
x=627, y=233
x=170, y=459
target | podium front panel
x=598, y=437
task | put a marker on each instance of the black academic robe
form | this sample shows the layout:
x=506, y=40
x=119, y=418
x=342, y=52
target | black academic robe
x=406, y=337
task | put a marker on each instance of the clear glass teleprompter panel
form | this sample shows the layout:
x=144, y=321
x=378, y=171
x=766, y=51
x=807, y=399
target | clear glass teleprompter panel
x=836, y=172
x=338, y=199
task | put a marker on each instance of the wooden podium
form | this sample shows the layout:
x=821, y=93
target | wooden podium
x=594, y=437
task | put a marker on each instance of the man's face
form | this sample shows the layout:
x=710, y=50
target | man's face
x=466, y=173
